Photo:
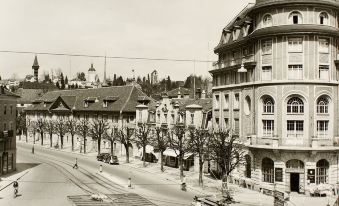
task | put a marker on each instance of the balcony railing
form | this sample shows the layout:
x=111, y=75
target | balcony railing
x=224, y=64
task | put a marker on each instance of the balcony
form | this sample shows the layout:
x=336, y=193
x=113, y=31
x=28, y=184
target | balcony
x=246, y=60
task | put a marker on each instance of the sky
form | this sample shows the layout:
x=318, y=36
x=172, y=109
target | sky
x=174, y=29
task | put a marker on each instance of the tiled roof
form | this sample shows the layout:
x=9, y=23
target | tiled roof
x=28, y=95
x=206, y=104
x=126, y=102
x=174, y=92
x=38, y=85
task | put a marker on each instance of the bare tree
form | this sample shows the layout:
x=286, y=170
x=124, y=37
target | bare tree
x=41, y=127
x=83, y=131
x=112, y=136
x=160, y=140
x=21, y=124
x=71, y=125
x=97, y=130
x=125, y=137
x=228, y=152
x=198, y=139
x=178, y=141
x=61, y=129
x=33, y=127
x=142, y=139
x=50, y=129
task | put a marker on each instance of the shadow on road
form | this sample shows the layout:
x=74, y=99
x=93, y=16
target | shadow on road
x=20, y=167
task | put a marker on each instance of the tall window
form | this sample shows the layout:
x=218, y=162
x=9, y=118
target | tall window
x=295, y=106
x=323, y=18
x=268, y=128
x=295, y=71
x=295, y=44
x=5, y=109
x=268, y=105
x=217, y=101
x=322, y=171
x=192, y=118
x=227, y=124
x=267, y=20
x=322, y=129
x=267, y=170
x=248, y=166
x=324, y=73
x=322, y=105
x=236, y=101
x=226, y=106
x=323, y=46
x=266, y=73
x=236, y=126
x=295, y=128
x=266, y=47
x=295, y=18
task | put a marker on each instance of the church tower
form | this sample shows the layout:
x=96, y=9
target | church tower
x=35, y=68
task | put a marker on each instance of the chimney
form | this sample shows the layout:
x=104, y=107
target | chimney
x=179, y=94
x=203, y=94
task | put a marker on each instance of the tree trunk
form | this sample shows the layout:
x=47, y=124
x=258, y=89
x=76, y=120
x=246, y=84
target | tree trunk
x=162, y=161
x=61, y=141
x=33, y=137
x=181, y=166
x=201, y=163
x=84, y=145
x=112, y=149
x=127, y=153
x=99, y=145
x=26, y=136
x=144, y=155
x=50, y=140
x=42, y=139
x=72, y=142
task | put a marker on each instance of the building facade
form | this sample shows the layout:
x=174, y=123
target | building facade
x=7, y=131
x=168, y=112
x=276, y=85
x=116, y=105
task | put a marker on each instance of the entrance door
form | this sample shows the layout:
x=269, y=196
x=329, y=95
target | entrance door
x=295, y=181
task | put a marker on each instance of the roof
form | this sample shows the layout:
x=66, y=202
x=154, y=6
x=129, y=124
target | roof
x=28, y=95
x=130, y=199
x=38, y=85
x=92, y=68
x=174, y=92
x=204, y=104
x=127, y=98
x=35, y=63
x=8, y=93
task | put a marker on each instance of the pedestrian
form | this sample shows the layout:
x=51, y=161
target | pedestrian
x=75, y=166
x=16, y=188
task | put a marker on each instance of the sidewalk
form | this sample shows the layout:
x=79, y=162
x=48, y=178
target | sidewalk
x=211, y=186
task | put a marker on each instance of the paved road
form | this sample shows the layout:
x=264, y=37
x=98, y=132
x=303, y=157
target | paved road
x=87, y=180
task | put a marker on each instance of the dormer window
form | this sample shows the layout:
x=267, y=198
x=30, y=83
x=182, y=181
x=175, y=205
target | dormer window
x=85, y=104
x=323, y=18
x=267, y=20
x=295, y=17
x=105, y=104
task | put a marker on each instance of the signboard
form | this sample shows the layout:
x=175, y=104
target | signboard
x=278, y=174
x=311, y=175
x=278, y=198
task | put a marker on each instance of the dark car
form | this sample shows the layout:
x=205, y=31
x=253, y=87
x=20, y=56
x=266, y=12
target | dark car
x=114, y=160
x=103, y=157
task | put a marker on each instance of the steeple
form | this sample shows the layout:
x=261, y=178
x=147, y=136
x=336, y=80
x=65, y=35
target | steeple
x=35, y=68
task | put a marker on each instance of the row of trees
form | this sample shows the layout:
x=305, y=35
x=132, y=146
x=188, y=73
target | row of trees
x=221, y=145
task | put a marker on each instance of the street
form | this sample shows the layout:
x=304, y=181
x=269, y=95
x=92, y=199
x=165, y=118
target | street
x=54, y=178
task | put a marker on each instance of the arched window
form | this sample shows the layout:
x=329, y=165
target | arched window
x=268, y=105
x=323, y=18
x=248, y=166
x=322, y=171
x=295, y=164
x=295, y=106
x=295, y=18
x=267, y=168
x=267, y=20
x=322, y=105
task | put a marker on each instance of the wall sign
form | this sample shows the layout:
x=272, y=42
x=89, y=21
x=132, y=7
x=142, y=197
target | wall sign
x=311, y=175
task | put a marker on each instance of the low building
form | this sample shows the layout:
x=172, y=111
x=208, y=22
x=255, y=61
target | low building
x=117, y=105
x=168, y=112
x=7, y=131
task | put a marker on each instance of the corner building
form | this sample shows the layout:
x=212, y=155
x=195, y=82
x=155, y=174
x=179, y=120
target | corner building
x=276, y=84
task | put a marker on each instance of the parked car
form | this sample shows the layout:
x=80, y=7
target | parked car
x=114, y=160
x=103, y=157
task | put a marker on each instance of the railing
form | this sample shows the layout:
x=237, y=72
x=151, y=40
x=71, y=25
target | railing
x=224, y=64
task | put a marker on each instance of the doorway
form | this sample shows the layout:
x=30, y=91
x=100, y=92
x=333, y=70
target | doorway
x=295, y=181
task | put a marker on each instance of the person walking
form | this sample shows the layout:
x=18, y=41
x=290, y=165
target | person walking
x=16, y=188
x=75, y=166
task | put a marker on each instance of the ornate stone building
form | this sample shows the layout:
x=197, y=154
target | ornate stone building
x=276, y=85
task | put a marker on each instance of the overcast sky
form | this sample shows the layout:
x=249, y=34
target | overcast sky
x=177, y=29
